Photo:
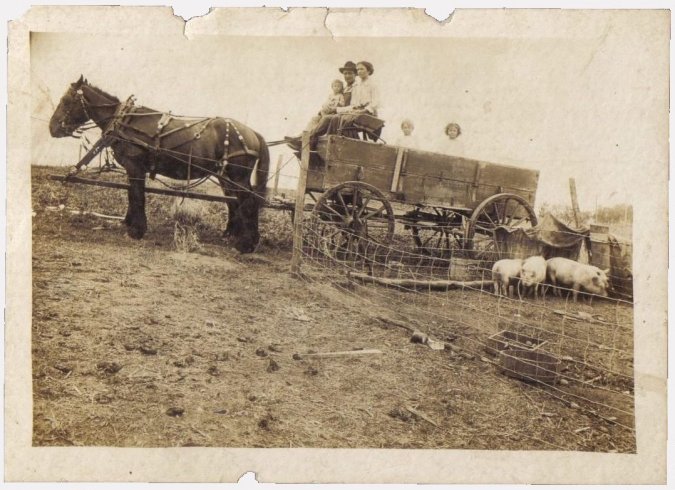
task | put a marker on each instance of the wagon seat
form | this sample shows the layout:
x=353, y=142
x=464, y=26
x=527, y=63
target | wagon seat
x=363, y=126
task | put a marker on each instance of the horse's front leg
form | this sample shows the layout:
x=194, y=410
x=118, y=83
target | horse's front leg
x=248, y=236
x=135, y=218
x=233, y=223
x=232, y=227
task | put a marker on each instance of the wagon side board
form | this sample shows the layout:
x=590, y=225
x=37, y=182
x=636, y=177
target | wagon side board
x=415, y=176
x=345, y=159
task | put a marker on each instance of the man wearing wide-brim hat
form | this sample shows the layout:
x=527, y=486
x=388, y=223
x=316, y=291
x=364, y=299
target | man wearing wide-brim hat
x=349, y=73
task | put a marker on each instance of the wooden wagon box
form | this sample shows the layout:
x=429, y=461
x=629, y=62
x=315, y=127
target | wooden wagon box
x=416, y=176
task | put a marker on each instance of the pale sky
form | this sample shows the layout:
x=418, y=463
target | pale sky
x=587, y=107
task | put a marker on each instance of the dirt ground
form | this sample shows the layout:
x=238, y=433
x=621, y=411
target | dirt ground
x=136, y=344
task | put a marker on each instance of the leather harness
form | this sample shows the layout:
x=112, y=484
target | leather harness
x=123, y=120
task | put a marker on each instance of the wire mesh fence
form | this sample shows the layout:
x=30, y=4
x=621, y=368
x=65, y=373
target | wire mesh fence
x=578, y=352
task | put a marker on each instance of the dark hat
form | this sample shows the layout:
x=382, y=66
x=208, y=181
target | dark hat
x=349, y=66
x=368, y=65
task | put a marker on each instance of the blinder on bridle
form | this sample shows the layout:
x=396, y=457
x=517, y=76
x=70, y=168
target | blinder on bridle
x=73, y=126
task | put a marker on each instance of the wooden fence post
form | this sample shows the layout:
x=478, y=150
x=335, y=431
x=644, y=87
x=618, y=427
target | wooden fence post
x=300, y=205
x=276, y=175
x=575, y=202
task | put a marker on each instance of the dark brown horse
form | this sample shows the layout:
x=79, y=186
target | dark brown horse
x=145, y=141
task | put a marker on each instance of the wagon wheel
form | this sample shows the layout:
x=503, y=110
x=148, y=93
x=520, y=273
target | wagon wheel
x=438, y=236
x=501, y=210
x=352, y=220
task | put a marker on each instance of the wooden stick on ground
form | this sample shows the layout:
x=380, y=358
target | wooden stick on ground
x=440, y=284
x=98, y=215
x=338, y=353
x=395, y=323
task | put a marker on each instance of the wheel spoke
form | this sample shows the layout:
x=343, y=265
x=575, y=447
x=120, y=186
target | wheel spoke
x=498, y=210
x=336, y=213
x=487, y=215
x=364, y=206
x=342, y=200
x=375, y=212
x=355, y=201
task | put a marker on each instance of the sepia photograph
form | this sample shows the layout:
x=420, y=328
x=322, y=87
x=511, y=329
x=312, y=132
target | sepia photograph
x=310, y=234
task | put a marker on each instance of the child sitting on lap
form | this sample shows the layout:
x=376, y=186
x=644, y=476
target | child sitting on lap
x=335, y=99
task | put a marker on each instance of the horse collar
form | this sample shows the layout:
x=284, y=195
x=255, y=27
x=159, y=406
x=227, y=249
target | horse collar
x=122, y=109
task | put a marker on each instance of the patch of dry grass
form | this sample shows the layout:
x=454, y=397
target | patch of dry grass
x=182, y=224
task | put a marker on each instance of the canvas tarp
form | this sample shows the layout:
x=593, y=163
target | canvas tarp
x=550, y=238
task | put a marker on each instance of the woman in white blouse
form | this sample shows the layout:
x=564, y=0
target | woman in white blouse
x=365, y=95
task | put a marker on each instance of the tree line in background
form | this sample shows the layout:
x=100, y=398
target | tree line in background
x=619, y=214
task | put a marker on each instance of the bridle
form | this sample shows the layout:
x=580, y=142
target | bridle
x=86, y=105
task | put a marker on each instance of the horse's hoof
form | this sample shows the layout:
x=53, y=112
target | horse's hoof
x=135, y=233
x=245, y=248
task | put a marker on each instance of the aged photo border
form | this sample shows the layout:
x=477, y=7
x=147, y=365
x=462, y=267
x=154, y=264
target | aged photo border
x=24, y=462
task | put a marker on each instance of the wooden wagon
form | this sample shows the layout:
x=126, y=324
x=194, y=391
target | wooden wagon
x=363, y=190
x=360, y=191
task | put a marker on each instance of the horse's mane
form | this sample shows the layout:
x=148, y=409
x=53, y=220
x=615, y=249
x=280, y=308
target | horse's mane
x=100, y=91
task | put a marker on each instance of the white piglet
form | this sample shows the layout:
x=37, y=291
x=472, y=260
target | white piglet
x=566, y=273
x=505, y=272
x=533, y=274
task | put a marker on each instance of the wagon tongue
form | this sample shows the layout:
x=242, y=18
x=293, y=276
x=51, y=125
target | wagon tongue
x=89, y=156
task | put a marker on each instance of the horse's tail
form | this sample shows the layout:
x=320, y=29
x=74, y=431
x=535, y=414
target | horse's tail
x=263, y=168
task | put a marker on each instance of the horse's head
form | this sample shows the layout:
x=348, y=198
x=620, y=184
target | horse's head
x=71, y=112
